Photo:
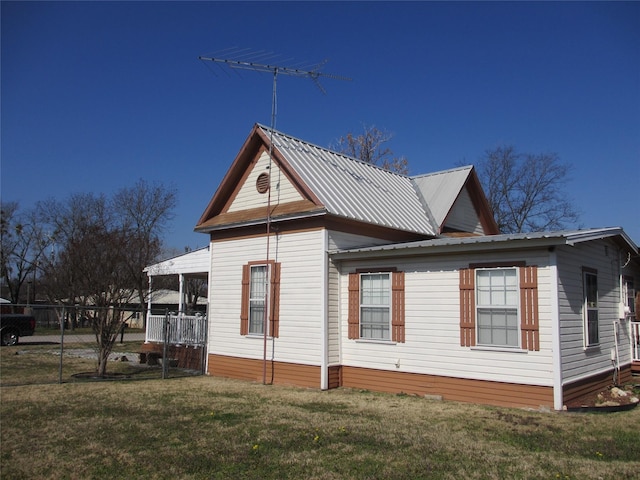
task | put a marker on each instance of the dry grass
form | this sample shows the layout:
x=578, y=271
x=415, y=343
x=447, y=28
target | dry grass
x=202, y=427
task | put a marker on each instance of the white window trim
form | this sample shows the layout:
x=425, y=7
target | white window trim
x=493, y=347
x=585, y=310
x=389, y=308
x=265, y=321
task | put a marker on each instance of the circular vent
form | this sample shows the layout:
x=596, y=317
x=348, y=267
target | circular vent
x=262, y=183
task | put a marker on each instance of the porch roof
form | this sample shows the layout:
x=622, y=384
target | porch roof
x=194, y=264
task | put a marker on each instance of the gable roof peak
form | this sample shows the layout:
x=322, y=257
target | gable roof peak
x=267, y=130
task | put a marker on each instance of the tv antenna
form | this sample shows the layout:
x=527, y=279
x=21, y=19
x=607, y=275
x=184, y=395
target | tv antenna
x=255, y=64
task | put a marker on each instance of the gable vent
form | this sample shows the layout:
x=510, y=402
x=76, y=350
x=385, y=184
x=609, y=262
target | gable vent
x=262, y=183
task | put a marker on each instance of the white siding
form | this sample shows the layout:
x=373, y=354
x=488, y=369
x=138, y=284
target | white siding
x=578, y=361
x=463, y=215
x=432, y=319
x=340, y=240
x=282, y=190
x=301, y=297
x=333, y=313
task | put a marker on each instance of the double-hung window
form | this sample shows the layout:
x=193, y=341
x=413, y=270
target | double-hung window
x=375, y=306
x=259, y=280
x=628, y=296
x=590, y=307
x=257, y=299
x=497, y=298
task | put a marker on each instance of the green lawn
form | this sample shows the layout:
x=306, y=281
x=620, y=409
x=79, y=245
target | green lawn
x=208, y=428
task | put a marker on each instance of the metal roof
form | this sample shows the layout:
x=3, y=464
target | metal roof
x=441, y=189
x=532, y=239
x=354, y=189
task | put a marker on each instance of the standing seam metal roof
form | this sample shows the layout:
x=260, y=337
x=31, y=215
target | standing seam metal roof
x=354, y=189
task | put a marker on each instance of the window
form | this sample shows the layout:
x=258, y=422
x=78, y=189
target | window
x=497, y=307
x=255, y=276
x=590, y=308
x=376, y=306
x=257, y=300
x=628, y=296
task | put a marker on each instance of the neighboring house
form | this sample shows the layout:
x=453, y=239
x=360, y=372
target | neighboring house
x=327, y=272
x=185, y=331
x=194, y=264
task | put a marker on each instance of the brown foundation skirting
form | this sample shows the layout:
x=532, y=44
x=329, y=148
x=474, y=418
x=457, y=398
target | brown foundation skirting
x=449, y=388
x=594, y=384
x=279, y=373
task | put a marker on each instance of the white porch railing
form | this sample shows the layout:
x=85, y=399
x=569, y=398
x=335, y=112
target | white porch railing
x=181, y=329
x=635, y=341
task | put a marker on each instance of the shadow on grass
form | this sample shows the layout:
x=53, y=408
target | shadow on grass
x=135, y=372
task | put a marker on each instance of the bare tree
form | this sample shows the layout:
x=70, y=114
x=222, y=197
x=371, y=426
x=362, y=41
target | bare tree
x=103, y=246
x=22, y=245
x=526, y=191
x=370, y=146
x=144, y=210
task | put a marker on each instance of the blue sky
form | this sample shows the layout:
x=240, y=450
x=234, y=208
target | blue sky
x=96, y=95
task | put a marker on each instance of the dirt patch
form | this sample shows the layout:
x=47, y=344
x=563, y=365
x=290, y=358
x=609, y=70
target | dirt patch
x=612, y=398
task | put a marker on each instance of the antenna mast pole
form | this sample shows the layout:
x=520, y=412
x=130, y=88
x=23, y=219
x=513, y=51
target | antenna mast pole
x=314, y=75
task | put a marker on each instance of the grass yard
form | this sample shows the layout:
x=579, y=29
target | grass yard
x=207, y=428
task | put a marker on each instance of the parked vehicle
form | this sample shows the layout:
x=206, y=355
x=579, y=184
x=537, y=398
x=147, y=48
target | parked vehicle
x=15, y=325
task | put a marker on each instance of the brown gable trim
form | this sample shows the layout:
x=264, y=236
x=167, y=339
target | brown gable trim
x=480, y=205
x=259, y=214
x=239, y=183
x=317, y=220
x=256, y=144
x=256, y=231
x=232, y=177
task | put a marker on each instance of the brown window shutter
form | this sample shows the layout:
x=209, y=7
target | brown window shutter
x=397, y=302
x=354, y=306
x=274, y=317
x=467, y=307
x=637, y=306
x=244, y=306
x=529, y=326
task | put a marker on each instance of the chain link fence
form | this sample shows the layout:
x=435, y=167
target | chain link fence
x=64, y=348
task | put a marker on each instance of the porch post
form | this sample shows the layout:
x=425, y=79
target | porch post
x=181, y=306
x=146, y=329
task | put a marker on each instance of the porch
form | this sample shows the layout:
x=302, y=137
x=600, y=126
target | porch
x=177, y=329
x=180, y=340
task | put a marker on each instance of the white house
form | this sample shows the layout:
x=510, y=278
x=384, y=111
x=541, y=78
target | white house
x=326, y=271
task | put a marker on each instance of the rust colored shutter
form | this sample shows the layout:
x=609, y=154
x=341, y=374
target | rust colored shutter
x=244, y=306
x=397, y=302
x=354, y=306
x=274, y=317
x=467, y=307
x=529, y=326
x=637, y=306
